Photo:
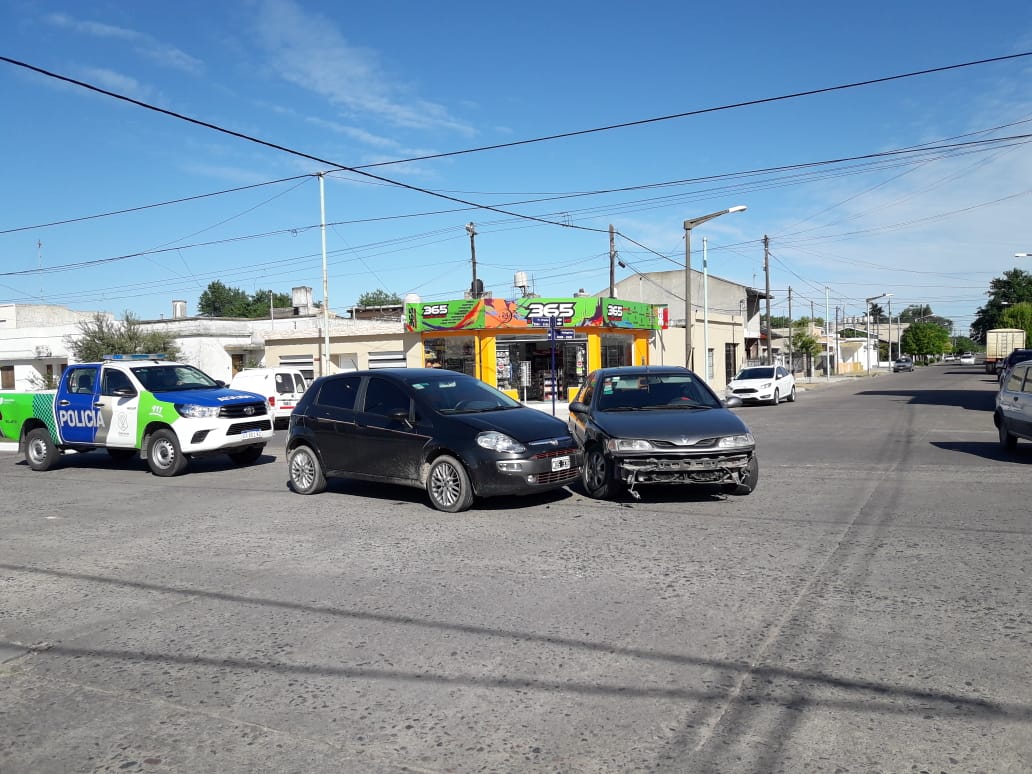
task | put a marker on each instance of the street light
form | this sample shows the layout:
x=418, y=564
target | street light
x=1023, y=255
x=868, y=301
x=688, y=226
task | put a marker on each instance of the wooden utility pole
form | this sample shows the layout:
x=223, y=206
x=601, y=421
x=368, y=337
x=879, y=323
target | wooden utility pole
x=766, y=274
x=612, y=261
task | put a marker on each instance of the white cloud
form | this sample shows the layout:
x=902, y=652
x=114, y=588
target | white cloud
x=143, y=44
x=116, y=82
x=309, y=51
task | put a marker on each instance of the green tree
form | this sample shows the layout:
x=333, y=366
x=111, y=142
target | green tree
x=878, y=314
x=378, y=298
x=925, y=339
x=923, y=313
x=1014, y=287
x=100, y=336
x=965, y=344
x=218, y=300
x=805, y=342
x=1018, y=316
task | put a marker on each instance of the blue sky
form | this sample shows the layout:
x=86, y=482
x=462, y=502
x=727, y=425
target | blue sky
x=359, y=84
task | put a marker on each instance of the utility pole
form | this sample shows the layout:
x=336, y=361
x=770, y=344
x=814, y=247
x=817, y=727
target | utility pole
x=810, y=357
x=827, y=336
x=766, y=274
x=325, y=360
x=472, y=231
x=791, y=353
x=612, y=262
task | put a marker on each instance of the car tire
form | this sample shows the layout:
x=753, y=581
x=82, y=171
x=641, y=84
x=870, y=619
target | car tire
x=776, y=399
x=247, y=455
x=164, y=456
x=448, y=485
x=40, y=451
x=597, y=475
x=792, y=395
x=749, y=481
x=306, y=474
x=1007, y=441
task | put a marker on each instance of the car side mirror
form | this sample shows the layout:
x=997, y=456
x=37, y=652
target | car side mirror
x=220, y=383
x=124, y=392
x=399, y=415
x=733, y=402
x=577, y=407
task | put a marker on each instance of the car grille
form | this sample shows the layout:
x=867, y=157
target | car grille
x=744, y=390
x=243, y=427
x=553, y=477
x=703, y=443
x=243, y=410
x=554, y=453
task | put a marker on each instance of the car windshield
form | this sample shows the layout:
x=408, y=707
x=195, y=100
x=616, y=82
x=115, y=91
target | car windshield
x=172, y=378
x=759, y=372
x=645, y=392
x=460, y=394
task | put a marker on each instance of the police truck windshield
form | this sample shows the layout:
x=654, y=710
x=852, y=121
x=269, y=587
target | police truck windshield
x=170, y=378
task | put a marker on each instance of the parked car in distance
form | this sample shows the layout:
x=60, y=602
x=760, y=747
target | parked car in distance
x=763, y=384
x=903, y=364
x=1013, y=414
x=1005, y=365
x=448, y=433
x=948, y=358
x=659, y=425
x=967, y=358
x=281, y=387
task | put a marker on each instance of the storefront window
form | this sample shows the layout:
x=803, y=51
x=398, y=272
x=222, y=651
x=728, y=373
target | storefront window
x=525, y=366
x=456, y=353
x=617, y=350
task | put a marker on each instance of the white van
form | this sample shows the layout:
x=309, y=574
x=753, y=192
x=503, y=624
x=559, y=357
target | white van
x=281, y=387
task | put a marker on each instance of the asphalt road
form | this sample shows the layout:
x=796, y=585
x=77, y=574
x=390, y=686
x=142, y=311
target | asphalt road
x=867, y=609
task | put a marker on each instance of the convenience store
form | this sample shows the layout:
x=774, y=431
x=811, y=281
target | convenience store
x=534, y=348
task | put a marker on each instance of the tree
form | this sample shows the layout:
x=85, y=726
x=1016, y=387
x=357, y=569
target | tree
x=964, y=344
x=1014, y=287
x=1018, y=316
x=878, y=314
x=218, y=300
x=100, y=336
x=925, y=339
x=378, y=298
x=923, y=313
x=805, y=342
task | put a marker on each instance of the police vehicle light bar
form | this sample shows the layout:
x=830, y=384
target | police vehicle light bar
x=135, y=356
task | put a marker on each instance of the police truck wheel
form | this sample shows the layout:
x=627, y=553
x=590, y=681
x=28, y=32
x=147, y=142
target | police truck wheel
x=164, y=457
x=40, y=452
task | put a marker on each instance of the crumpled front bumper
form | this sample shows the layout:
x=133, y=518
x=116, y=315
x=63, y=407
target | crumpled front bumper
x=695, y=469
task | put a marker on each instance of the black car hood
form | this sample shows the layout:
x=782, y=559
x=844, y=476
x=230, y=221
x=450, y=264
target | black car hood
x=673, y=425
x=524, y=424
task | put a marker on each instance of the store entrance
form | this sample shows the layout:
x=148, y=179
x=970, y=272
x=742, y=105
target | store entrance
x=525, y=367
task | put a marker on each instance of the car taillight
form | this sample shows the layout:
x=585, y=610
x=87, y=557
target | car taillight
x=272, y=401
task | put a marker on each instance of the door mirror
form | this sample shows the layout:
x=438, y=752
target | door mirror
x=398, y=415
x=124, y=392
x=733, y=402
x=579, y=408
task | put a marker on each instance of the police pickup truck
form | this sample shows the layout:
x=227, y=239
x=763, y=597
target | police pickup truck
x=137, y=406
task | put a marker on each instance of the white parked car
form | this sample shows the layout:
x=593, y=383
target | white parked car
x=763, y=384
x=967, y=359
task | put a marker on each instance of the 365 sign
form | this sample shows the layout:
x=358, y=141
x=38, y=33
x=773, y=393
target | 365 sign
x=561, y=310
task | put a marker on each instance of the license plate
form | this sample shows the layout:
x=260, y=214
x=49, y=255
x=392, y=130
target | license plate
x=560, y=463
x=251, y=434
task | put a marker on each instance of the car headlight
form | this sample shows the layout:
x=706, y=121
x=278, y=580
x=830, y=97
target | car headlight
x=766, y=385
x=194, y=411
x=742, y=441
x=499, y=442
x=628, y=444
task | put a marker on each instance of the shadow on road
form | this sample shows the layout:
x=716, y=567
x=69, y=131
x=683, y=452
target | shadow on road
x=972, y=400
x=988, y=451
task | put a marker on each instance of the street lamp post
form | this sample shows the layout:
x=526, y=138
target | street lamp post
x=688, y=226
x=868, y=326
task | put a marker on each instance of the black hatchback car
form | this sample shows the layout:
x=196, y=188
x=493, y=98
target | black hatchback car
x=659, y=425
x=439, y=430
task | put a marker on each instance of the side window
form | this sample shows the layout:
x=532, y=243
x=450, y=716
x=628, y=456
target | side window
x=383, y=397
x=112, y=380
x=588, y=390
x=1017, y=376
x=339, y=392
x=299, y=383
x=284, y=383
x=1024, y=375
x=80, y=380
